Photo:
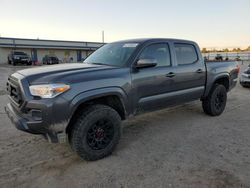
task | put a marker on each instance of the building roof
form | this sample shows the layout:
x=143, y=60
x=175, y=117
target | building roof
x=48, y=44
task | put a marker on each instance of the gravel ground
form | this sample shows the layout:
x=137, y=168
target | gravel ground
x=176, y=147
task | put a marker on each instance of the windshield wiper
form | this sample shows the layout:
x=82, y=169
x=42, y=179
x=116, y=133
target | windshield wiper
x=101, y=64
x=98, y=63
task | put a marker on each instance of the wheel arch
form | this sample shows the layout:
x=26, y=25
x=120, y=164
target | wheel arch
x=113, y=97
x=222, y=79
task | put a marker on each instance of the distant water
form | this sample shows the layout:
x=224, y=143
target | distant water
x=229, y=55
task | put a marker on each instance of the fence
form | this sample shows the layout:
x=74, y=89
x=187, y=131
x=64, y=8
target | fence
x=242, y=56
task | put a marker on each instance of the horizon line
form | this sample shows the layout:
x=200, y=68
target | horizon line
x=65, y=40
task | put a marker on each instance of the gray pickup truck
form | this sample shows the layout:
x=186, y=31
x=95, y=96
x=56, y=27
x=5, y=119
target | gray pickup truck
x=84, y=103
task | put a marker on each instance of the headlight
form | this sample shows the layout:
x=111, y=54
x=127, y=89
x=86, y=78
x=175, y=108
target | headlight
x=48, y=90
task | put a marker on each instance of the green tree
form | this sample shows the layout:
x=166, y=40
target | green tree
x=248, y=49
x=204, y=50
x=238, y=50
x=234, y=50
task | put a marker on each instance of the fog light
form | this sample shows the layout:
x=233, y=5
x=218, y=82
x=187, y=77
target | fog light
x=36, y=115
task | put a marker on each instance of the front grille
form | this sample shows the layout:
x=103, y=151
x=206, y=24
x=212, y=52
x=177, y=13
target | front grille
x=13, y=89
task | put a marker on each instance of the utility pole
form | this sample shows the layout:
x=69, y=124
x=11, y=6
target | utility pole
x=102, y=36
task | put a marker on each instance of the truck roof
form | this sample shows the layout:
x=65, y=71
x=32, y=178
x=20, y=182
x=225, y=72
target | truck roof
x=142, y=40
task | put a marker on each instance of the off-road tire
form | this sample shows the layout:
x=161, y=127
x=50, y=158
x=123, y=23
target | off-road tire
x=85, y=122
x=215, y=103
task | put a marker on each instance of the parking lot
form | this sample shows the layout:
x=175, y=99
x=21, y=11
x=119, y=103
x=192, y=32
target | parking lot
x=175, y=147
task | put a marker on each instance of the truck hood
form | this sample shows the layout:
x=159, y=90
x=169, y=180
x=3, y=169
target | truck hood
x=51, y=69
x=50, y=73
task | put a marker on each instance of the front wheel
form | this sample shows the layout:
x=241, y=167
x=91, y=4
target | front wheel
x=29, y=63
x=96, y=132
x=215, y=103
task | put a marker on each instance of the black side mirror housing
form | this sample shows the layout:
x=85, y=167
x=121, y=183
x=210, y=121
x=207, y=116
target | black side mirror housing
x=145, y=63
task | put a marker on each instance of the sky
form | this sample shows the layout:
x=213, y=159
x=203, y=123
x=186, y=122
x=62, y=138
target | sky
x=211, y=23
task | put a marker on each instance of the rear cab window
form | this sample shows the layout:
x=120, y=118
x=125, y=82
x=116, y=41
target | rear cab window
x=185, y=53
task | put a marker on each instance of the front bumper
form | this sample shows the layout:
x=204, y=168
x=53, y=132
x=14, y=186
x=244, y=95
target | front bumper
x=19, y=122
x=245, y=81
x=27, y=123
x=245, y=84
x=21, y=60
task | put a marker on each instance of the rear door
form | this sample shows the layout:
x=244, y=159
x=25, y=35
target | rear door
x=190, y=72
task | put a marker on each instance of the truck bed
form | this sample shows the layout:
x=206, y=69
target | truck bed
x=217, y=68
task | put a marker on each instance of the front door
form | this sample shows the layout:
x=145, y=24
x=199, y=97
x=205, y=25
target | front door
x=151, y=84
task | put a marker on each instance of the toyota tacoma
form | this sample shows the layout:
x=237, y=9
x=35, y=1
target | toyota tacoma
x=84, y=103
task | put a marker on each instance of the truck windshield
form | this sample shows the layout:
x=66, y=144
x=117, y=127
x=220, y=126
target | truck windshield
x=114, y=54
x=19, y=53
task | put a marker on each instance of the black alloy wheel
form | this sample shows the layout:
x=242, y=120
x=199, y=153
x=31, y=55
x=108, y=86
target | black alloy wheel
x=100, y=134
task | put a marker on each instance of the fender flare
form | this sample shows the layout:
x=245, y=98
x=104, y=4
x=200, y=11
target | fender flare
x=97, y=93
x=211, y=82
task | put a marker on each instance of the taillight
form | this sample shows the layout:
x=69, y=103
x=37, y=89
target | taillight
x=238, y=69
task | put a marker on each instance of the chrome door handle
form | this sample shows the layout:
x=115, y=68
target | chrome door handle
x=170, y=75
x=199, y=71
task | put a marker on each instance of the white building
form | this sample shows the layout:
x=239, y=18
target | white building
x=37, y=49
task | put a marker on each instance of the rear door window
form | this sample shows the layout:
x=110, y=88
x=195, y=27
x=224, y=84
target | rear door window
x=185, y=54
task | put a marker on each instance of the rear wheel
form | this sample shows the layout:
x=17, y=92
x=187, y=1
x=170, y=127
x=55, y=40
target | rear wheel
x=96, y=132
x=215, y=103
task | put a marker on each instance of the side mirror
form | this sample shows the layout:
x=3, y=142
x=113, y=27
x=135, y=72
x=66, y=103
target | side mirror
x=145, y=63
